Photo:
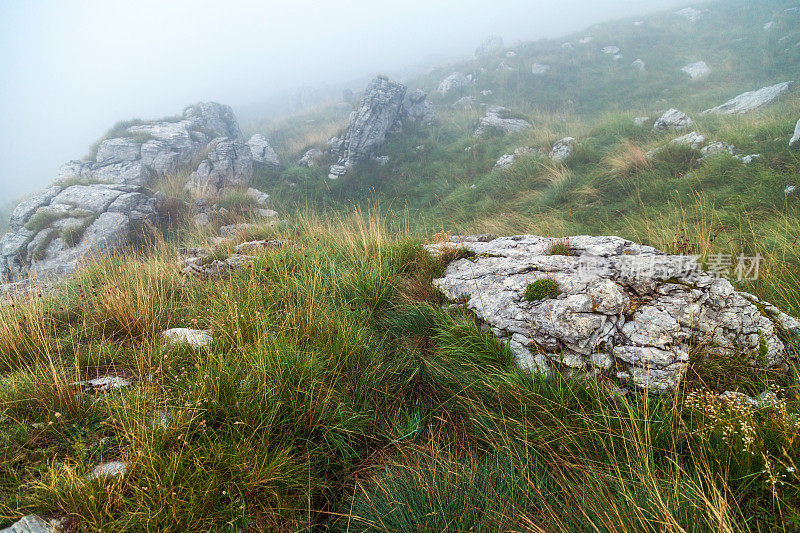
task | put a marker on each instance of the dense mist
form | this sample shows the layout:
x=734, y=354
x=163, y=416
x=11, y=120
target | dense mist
x=70, y=70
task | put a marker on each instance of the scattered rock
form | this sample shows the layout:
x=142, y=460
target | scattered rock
x=794, y=142
x=506, y=67
x=696, y=70
x=747, y=159
x=789, y=189
x=562, y=149
x=417, y=108
x=311, y=158
x=104, y=383
x=717, y=147
x=31, y=524
x=465, y=102
x=751, y=100
x=640, y=121
x=201, y=220
x=108, y=470
x=689, y=13
x=539, y=68
x=507, y=160
x=640, y=308
x=196, y=338
x=491, y=45
x=496, y=118
x=611, y=50
x=254, y=246
x=261, y=152
x=673, y=120
x=639, y=64
x=693, y=140
x=585, y=40
x=454, y=82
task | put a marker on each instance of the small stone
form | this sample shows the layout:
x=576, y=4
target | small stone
x=195, y=338
x=696, y=70
x=30, y=524
x=104, y=383
x=673, y=120
x=108, y=470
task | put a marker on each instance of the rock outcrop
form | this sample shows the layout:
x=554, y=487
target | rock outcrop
x=623, y=310
x=563, y=149
x=673, y=120
x=228, y=163
x=454, y=82
x=261, y=152
x=794, y=142
x=497, y=118
x=491, y=45
x=311, y=158
x=98, y=205
x=750, y=100
x=696, y=70
x=32, y=524
x=382, y=111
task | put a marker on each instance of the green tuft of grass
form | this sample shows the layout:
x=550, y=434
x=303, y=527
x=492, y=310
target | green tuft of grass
x=542, y=289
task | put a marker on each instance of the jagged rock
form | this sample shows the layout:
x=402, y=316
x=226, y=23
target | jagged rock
x=381, y=112
x=491, y=45
x=311, y=158
x=31, y=524
x=97, y=206
x=689, y=13
x=417, y=108
x=108, y=470
x=229, y=163
x=696, y=70
x=196, y=338
x=562, y=149
x=640, y=121
x=454, y=82
x=494, y=119
x=750, y=100
x=261, y=152
x=794, y=142
x=610, y=50
x=539, y=68
x=673, y=120
x=639, y=65
x=693, y=140
x=626, y=310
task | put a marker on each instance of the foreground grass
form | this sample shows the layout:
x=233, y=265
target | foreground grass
x=339, y=394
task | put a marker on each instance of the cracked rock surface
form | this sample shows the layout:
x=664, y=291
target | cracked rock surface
x=625, y=310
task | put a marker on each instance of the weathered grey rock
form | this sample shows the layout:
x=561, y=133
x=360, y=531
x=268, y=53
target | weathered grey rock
x=794, y=142
x=496, y=119
x=261, y=198
x=689, y=13
x=625, y=310
x=491, y=45
x=261, y=152
x=108, y=470
x=673, y=120
x=563, y=149
x=380, y=112
x=539, y=68
x=206, y=267
x=750, y=100
x=640, y=121
x=465, y=102
x=196, y=338
x=417, y=108
x=454, y=82
x=201, y=220
x=507, y=160
x=638, y=64
x=30, y=524
x=717, y=147
x=104, y=383
x=696, y=70
x=311, y=158
x=229, y=163
x=585, y=40
x=693, y=140
x=611, y=50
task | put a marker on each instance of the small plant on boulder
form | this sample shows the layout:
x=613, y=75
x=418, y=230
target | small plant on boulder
x=542, y=289
x=560, y=247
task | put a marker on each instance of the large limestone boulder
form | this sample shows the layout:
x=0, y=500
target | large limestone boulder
x=454, y=82
x=750, y=100
x=261, y=152
x=497, y=118
x=673, y=120
x=794, y=142
x=229, y=163
x=624, y=310
x=491, y=45
x=696, y=70
x=381, y=111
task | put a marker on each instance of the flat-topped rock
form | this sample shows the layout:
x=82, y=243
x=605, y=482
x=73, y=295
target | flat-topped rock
x=673, y=120
x=750, y=100
x=624, y=310
x=497, y=119
x=196, y=338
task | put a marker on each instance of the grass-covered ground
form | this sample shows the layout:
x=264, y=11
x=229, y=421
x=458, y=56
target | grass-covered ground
x=339, y=394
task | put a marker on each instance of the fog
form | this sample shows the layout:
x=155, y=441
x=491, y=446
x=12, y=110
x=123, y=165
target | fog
x=69, y=70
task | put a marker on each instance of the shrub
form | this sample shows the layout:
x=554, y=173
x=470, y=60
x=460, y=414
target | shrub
x=542, y=289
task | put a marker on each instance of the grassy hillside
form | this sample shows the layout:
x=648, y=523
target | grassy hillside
x=340, y=394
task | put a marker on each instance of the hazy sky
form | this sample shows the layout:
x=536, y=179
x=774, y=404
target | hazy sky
x=69, y=70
